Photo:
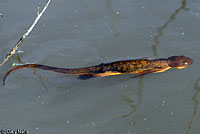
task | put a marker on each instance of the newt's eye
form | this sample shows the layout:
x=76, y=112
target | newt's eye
x=185, y=63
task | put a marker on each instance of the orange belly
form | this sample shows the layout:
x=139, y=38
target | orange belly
x=109, y=73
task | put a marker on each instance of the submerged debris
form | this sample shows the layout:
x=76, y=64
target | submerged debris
x=1, y=15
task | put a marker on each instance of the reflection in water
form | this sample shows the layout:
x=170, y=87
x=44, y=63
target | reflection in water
x=43, y=78
x=140, y=87
x=164, y=26
x=131, y=102
x=114, y=25
x=196, y=103
x=19, y=59
x=128, y=93
x=128, y=100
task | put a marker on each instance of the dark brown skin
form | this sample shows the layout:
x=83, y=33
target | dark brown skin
x=137, y=67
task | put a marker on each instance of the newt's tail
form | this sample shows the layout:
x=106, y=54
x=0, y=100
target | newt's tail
x=73, y=71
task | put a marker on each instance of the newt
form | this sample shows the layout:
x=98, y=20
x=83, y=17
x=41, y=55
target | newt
x=137, y=67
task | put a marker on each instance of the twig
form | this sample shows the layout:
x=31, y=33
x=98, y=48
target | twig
x=14, y=49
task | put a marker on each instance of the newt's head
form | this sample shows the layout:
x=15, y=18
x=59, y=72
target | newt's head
x=179, y=62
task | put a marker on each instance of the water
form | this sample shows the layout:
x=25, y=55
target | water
x=83, y=33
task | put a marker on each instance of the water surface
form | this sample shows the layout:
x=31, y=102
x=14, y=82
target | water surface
x=83, y=33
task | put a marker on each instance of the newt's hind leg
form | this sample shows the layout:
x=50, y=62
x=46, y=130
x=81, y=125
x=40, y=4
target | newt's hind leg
x=86, y=76
x=143, y=73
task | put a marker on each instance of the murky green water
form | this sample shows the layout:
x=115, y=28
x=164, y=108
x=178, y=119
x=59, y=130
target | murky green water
x=83, y=33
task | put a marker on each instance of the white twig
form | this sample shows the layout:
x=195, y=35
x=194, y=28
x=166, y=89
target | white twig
x=14, y=49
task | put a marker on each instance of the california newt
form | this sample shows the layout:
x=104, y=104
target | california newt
x=137, y=67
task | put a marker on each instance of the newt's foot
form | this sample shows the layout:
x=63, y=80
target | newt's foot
x=86, y=76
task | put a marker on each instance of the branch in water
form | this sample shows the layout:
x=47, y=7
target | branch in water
x=14, y=49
